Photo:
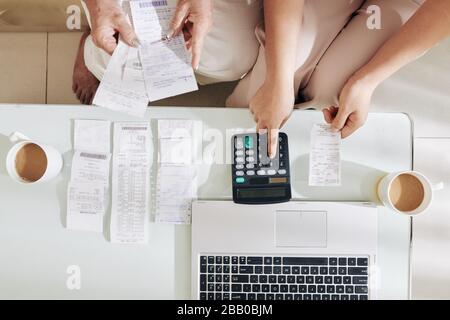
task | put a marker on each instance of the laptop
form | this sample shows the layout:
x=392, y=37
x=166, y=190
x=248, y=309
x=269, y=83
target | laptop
x=289, y=251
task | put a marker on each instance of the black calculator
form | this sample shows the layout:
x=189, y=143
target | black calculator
x=257, y=179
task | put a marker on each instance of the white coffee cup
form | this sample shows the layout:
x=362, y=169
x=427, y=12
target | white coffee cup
x=385, y=188
x=54, y=161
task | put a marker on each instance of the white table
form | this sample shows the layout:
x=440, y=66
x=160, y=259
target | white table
x=35, y=248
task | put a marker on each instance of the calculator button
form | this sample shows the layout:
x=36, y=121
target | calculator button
x=248, y=142
x=239, y=144
x=239, y=166
x=261, y=172
x=250, y=166
x=239, y=153
x=249, y=152
x=239, y=173
x=271, y=172
x=251, y=173
x=239, y=160
x=250, y=159
x=240, y=180
x=282, y=171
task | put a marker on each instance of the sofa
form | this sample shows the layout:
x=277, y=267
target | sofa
x=37, y=15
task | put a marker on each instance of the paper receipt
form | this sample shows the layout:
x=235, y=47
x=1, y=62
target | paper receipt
x=324, y=160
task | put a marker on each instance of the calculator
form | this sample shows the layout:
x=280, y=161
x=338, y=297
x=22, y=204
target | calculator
x=257, y=179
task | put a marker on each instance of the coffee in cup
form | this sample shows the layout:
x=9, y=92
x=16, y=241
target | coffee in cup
x=407, y=192
x=31, y=162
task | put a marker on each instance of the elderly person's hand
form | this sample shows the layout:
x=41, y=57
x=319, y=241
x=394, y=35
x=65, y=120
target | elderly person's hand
x=194, y=19
x=108, y=18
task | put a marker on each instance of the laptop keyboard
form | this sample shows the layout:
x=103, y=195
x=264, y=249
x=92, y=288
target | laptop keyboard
x=224, y=277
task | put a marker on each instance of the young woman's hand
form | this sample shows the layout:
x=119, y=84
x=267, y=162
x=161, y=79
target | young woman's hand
x=194, y=19
x=271, y=107
x=354, y=103
x=431, y=22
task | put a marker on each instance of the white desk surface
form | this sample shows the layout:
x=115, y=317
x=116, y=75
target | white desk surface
x=35, y=248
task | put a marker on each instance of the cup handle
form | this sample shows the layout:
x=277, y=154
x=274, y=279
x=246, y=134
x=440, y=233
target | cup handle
x=438, y=186
x=17, y=136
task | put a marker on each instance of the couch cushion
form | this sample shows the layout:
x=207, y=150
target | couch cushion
x=37, y=15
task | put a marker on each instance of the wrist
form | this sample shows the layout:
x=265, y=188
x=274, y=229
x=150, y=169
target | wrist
x=368, y=78
x=280, y=80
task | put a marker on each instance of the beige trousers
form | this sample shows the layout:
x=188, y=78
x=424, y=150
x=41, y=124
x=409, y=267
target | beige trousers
x=335, y=41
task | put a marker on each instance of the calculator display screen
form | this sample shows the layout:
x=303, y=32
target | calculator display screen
x=262, y=193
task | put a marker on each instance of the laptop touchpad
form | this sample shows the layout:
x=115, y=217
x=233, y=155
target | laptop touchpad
x=301, y=229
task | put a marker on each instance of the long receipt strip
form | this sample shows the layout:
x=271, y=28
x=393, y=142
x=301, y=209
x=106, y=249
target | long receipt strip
x=166, y=64
x=177, y=175
x=130, y=182
x=87, y=191
x=324, y=161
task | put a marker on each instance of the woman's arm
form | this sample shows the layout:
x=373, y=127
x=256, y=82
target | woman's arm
x=283, y=20
x=427, y=27
x=274, y=101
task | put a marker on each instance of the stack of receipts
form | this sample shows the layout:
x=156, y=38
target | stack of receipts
x=176, y=184
x=87, y=191
x=325, y=159
x=160, y=68
x=130, y=182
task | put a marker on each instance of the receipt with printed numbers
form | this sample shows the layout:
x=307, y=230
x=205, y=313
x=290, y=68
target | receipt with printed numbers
x=180, y=141
x=176, y=189
x=85, y=206
x=90, y=167
x=122, y=87
x=176, y=185
x=92, y=135
x=175, y=151
x=175, y=128
x=89, y=172
x=325, y=160
x=130, y=182
x=166, y=64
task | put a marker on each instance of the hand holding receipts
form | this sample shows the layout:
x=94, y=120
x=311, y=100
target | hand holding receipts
x=165, y=62
x=160, y=68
